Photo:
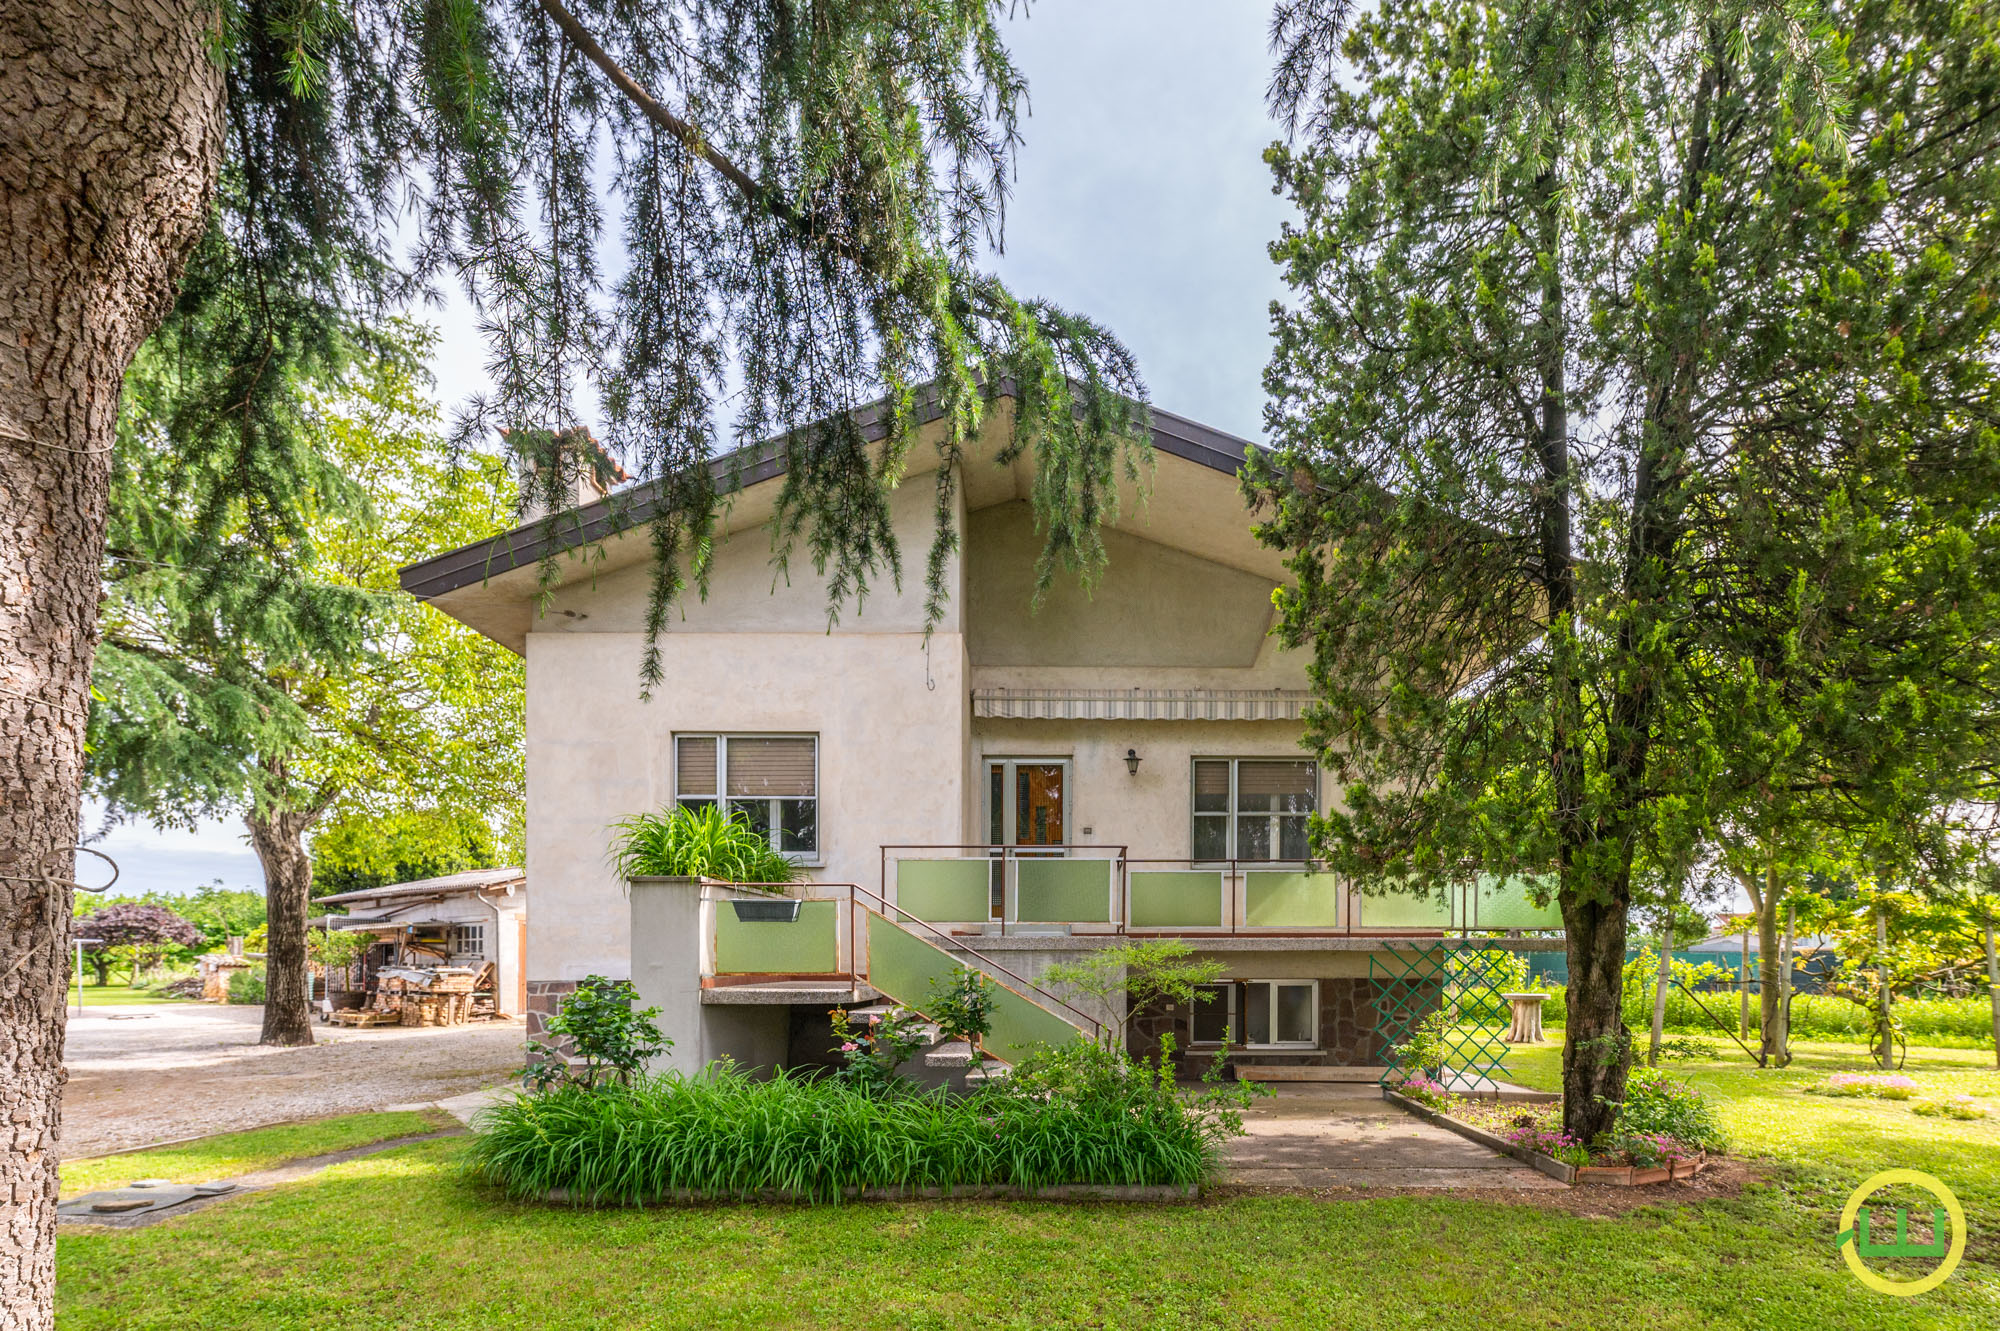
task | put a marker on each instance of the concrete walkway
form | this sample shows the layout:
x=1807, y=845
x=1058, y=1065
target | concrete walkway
x=1333, y=1135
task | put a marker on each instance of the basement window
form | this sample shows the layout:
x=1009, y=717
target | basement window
x=1257, y=1014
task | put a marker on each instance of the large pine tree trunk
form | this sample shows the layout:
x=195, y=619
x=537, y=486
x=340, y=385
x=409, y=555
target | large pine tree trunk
x=110, y=132
x=1597, y=1047
x=279, y=840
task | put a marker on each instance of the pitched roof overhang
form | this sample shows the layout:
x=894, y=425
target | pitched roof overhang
x=742, y=469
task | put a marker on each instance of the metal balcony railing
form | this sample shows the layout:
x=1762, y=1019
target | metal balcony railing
x=1093, y=889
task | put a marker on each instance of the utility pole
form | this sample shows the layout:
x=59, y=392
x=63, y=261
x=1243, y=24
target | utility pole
x=82, y=943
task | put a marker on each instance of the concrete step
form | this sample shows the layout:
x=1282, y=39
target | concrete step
x=949, y=1054
x=958, y=1054
x=863, y=1015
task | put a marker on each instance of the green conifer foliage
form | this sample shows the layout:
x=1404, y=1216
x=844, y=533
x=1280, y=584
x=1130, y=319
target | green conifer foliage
x=1636, y=451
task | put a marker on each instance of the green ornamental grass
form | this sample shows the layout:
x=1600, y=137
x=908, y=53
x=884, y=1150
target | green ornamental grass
x=702, y=842
x=724, y=1134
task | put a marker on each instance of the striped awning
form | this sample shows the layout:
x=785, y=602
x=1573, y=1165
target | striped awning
x=1141, y=704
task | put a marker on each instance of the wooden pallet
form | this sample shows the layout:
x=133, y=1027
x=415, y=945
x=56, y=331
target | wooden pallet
x=365, y=1017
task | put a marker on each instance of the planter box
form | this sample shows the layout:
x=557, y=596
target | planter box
x=1622, y=1176
x=778, y=910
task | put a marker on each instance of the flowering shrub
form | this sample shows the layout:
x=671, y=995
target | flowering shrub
x=1651, y=1150
x=1553, y=1142
x=1881, y=1085
x=1957, y=1106
x=1424, y=1091
x=874, y=1051
x=1657, y=1105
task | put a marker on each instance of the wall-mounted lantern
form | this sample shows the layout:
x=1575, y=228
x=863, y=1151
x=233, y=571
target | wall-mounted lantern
x=1131, y=762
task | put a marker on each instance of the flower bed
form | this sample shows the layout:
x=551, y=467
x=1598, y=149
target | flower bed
x=1534, y=1135
x=1072, y=1123
x=1880, y=1085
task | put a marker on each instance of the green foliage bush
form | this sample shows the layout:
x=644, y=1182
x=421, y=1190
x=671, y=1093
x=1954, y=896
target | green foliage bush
x=1657, y=1105
x=247, y=986
x=1964, y=1022
x=697, y=843
x=1066, y=1116
x=599, y=1024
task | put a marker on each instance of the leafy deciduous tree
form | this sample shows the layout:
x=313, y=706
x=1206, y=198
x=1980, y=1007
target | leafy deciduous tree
x=141, y=931
x=290, y=681
x=1630, y=412
x=805, y=188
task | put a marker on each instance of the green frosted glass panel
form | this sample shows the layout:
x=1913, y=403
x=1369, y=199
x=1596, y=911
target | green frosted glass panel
x=1062, y=891
x=936, y=890
x=1176, y=899
x=1279, y=898
x=809, y=945
x=1406, y=911
x=903, y=966
x=1508, y=903
x=1019, y=1025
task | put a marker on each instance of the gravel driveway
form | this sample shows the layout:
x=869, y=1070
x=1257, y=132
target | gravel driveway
x=161, y=1072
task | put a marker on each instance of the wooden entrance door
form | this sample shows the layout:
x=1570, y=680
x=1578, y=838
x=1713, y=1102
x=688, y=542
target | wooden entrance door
x=1027, y=808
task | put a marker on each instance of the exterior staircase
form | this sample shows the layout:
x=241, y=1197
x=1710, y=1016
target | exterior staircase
x=905, y=956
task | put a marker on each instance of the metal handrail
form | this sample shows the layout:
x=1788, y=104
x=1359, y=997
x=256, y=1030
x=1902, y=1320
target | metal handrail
x=1035, y=993
x=1234, y=871
x=1041, y=997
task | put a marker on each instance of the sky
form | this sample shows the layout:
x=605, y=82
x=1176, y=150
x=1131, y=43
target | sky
x=1141, y=200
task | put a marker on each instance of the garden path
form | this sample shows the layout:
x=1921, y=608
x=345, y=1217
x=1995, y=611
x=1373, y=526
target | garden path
x=1333, y=1135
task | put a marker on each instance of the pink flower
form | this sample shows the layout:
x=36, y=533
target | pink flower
x=849, y=1047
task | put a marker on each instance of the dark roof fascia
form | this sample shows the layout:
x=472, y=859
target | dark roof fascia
x=737, y=470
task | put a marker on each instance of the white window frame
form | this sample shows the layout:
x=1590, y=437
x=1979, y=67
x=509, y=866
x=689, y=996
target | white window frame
x=458, y=933
x=810, y=859
x=1230, y=815
x=1238, y=995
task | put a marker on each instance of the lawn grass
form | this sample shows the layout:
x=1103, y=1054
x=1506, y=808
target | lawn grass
x=1824, y=1147
x=400, y=1239
x=404, y=1238
x=105, y=995
x=242, y=1152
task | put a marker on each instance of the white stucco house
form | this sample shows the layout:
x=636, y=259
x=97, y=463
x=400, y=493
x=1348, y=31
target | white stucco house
x=1024, y=784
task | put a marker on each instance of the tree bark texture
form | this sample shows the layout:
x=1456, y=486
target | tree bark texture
x=278, y=837
x=1993, y=987
x=1663, y=980
x=110, y=134
x=1773, y=1047
x=1597, y=1047
x=1885, y=1023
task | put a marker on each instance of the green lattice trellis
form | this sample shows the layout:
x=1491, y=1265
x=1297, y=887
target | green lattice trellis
x=1413, y=982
